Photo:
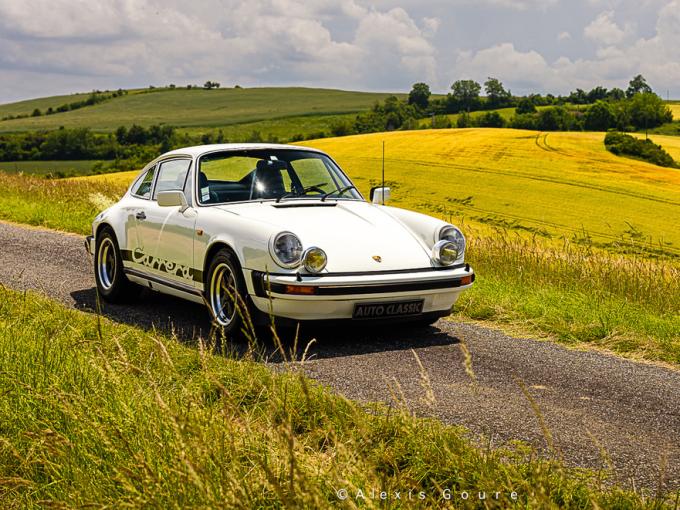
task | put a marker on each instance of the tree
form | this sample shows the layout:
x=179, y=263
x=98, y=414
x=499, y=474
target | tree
x=647, y=110
x=496, y=95
x=616, y=94
x=638, y=85
x=420, y=95
x=491, y=119
x=597, y=94
x=464, y=120
x=578, y=96
x=36, y=113
x=525, y=105
x=211, y=85
x=465, y=95
x=599, y=117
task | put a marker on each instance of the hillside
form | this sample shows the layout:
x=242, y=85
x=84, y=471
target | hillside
x=191, y=108
x=548, y=184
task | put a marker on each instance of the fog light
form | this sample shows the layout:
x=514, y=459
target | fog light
x=314, y=259
x=445, y=252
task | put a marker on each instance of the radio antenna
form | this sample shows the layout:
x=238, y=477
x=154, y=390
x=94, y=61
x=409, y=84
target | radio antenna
x=383, y=173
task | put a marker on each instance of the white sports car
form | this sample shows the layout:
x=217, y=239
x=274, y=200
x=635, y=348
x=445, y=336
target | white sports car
x=275, y=231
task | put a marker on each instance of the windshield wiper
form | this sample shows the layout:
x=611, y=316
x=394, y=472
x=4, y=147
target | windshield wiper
x=338, y=191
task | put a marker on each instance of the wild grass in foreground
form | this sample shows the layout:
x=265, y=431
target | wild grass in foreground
x=100, y=414
x=628, y=304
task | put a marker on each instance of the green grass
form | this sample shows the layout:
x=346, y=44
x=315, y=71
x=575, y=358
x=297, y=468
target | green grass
x=506, y=113
x=54, y=168
x=282, y=129
x=61, y=204
x=201, y=108
x=43, y=103
x=96, y=413
x=576, y=294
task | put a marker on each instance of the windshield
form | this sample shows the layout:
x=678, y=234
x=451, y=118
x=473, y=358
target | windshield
x=242, y=175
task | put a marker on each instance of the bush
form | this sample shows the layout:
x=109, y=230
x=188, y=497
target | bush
x=600, y=117
x=491, y=119
x=525, y=105
x=646, y=150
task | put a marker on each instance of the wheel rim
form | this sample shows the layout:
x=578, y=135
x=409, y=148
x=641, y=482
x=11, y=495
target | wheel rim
x=223, y=294
x=106, y=263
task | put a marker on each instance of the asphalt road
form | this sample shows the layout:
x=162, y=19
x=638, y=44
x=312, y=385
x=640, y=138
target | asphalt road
x=600, y=410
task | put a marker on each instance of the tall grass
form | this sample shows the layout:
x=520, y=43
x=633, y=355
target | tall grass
x=68, y=205
x=100, y=414
x=627, y=303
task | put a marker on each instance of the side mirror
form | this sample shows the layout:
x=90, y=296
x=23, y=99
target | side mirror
x=380, y=195
x=174, y=198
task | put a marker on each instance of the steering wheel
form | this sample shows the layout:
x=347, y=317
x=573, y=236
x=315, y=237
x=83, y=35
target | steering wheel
x=315, y=187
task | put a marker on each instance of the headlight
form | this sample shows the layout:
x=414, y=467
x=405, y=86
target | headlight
x=314, y=259
x=445, y=253
x=453, y=235
x=286, y=249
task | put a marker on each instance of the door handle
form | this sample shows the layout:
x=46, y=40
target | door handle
x=141, y=215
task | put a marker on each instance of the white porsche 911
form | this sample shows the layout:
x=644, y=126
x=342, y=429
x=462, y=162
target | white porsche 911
x=277, y=231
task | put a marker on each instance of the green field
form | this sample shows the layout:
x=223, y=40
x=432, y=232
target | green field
x=99, y=414
x=42, y=103
x=197, y=108
x=44, y=168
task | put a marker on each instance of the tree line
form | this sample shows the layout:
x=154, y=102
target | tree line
x=95, y=97
x=600, y=109
x=135, y=143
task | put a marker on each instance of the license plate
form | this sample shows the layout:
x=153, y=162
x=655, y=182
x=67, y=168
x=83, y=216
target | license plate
x=387, y=310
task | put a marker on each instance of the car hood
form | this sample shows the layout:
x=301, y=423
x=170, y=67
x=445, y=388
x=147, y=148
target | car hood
x=356, y=235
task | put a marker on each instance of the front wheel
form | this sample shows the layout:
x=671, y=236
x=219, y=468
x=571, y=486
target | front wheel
x=112, y=284
x=226, y=292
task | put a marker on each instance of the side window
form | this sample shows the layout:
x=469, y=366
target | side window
x=172, y=175
x=143, y=188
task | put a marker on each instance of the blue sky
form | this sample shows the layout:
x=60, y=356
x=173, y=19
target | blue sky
x=61, y=46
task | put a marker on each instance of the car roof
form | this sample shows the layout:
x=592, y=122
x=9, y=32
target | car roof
x=198, y=150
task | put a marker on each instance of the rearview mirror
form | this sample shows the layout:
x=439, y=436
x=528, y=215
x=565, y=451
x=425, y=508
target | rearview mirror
x=174, y=198
x=380, y=195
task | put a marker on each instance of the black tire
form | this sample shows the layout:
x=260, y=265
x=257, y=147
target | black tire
x=229, y=310
x=112, y=284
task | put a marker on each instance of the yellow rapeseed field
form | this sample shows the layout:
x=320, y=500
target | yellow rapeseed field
x=552, y=184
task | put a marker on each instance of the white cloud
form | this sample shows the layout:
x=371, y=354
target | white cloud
x=563, y=36
x=615, y=62
x=604, y=30
x=253, y=42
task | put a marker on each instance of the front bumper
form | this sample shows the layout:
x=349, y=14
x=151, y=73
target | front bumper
x=334, y=296
x=89, y=244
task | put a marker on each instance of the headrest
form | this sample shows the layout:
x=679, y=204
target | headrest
x=264, y=165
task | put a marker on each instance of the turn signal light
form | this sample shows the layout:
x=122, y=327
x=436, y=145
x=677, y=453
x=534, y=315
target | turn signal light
x=306, y=290
x=466, y=280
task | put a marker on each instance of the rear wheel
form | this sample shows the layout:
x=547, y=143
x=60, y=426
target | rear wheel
x=112, y=284
x=226, y=292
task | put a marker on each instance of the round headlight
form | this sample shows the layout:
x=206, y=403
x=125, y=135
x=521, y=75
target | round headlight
x=314, y=259
x=453, y=235
x=286, y=249
x=445, y=252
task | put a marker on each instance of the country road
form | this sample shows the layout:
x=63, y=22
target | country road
x=591, y=402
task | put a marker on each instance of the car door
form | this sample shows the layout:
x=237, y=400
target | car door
x=165, y=234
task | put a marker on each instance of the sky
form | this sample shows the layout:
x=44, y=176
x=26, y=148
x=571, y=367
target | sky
x=50, y=47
